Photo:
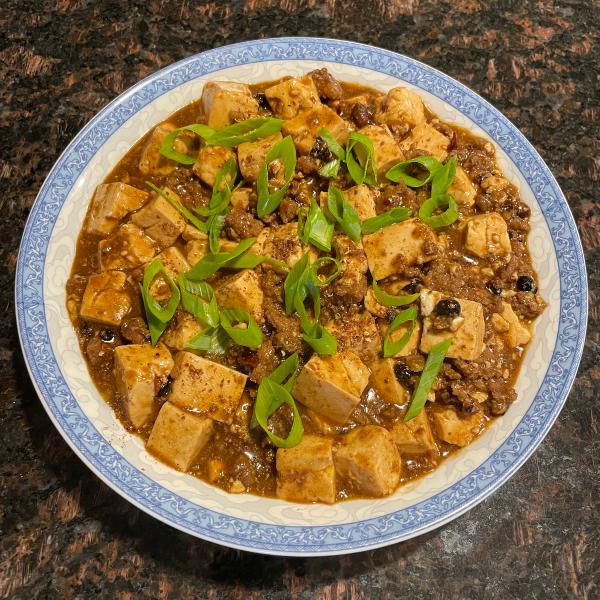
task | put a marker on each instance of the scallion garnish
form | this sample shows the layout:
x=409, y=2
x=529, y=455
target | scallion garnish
x=157, y=314
x=285, y=151
x=433, y=364
x=213, y=341
x=319, y=339
x=360, y=159
x=391, y=348
x=208, y=265
x=166, y=148
x=399, y=172
x=198, y=298
x=294, y=279
x=245, y=131
x=443, y=177
x=437, y=203
x=394, y=215
x=316, y=229
x=343, y=212
x=251, y=261
x=386, y=299
x=331, y=168
x=318, y=264
x=249, y=336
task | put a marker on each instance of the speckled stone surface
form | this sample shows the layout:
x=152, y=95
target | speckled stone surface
x=64, y=534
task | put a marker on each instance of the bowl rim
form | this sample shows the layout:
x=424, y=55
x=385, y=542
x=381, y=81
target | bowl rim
x=302, y=540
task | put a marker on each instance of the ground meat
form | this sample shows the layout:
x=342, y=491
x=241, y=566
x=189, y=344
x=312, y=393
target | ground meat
x=135, y=330
x=267, y=361
x=518, y=224
x=395, y=195
x=192, y=193
x=328, y=87
x=321, y=150
x=527, y=305
x=288, y=209
x=239, y=225
x=501, y=395
x=351, y=285
x=100, y=354
x=308, y=165
x=458, y=393
x=362, y=114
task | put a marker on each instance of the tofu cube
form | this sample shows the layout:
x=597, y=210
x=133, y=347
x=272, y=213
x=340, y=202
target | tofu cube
x=226, y=102
x=290, y=96
x=487, y=235
x=242, y=290
x=112, y=202
x=367, y=461
x=181, y=330
x=383, y=380
x=508, y=323
x=252, y=155
x=127, y=248
x=467, y=331
x=377, y=309
x=305, y=127
x=140, y=371
x=332, y=385
x=160, y=221
x=282, y=243
x=306, y=473
x=456, y=430
x=398, y=107
x=413, y=341
x=210, y=160
x=362, y=200
x=357, y=333
x=178, y=437
x=351, y=283
x=197, y=249
x=152, y=162
x=427, y=139
x=240, y=198
x=386, y=150
x=462, y=189
x=193, y=233
x=415, y=437
x=105, y=299
x=206, y=387
x=401, y=244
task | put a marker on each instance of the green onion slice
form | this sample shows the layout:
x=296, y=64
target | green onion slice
x=437, y=203
x=166, y=148
x=330, y=169
x=317, y=230
x=433, y=364
x=343, y=212
x=251, y=261
x=198, y=298
x=245, y=131
x=295, y=278
x=158, y=315
x=193, y=219
x=320, y=340
x=362, y=167
x=208, y=265
x=443, y=177
x=285, y=151
x=386, y=299
x=399, y=172
x=285, y=374
x=250, y=336
x=391, y=348
x=214, y=341
x=334, y=145
x=394, y=215
x=319, y=263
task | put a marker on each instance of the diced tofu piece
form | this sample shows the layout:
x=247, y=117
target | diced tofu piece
x=226, y=102
x=206, y=387
x=332, y=385
x=173, y=261
x=252, y=155
x=140, y=371
x=487, y=235
x=282, y=243
x=240, y=198
x=197, y=249
x=467, y=332
x=306, y=473
x=385, y=383
x=181, y=330
x=112, y=202
x=376, y=309
x=242, y=290
x=152, y=162
x=414, y=437
x=367, y=461
x=287, y=98
x=357, y=333
x=400, y=106
x=178, y=437
x=456, y=430
x=386, y=150
x=126, y=248
x=351, y=283
x=361, y=198
x=210, y=160
x=426, y=138
x=159, y=220
x=509, y=324
x=461, y=188
x=305, y=127
x=320, y=423
x=193, y=233
x=401, y=244
x=105, y=299
x=413, y=341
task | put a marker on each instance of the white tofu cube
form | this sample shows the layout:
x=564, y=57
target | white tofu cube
x=427, y=139
x=210, y=160
x=487, y=235
x=290, y=96
x=127, y=248
x=282, y=243
x=398, y=107
x=367, y=461
x=242, y=290
x=252, y=155
x=178, y=437
x=306, y=473
x=193, y=233
x=462, y=189
x=351, y=283
x=456, y=430
x=413, y=341
x=508, y=324
x=240, y=198
x=206, y=387
x=152, y=162
x=415, y=437
x=305, y=127
x=181, y=330
x=357, y=333
x=140, y=371
x=401, y=244
x=467, y=334
x=362, y=200
x=384, y=382
x=386, y=150
x=226, y=102
x=105, y=299
x=377, y=309
x=332, y=385
x=112, y=202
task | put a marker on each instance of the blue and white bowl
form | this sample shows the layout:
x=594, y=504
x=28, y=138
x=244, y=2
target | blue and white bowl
x=87, y=423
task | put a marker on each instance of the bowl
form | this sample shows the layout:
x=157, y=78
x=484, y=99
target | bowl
x=60, y=376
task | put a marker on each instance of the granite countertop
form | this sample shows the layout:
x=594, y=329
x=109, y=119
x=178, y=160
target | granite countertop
x=64, y=534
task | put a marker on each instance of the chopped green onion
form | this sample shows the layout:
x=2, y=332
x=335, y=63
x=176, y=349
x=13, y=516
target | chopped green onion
x=251, y=261
x=193, y=219
x=437, y=203
x=198, y=298
x=293, y=280
x=433, y=364
x=391, y=348
x=443, y=177
x=334, y=145
x=285, y=151
x=208, y=265
x=343, y=212
x=399, y=172
x=394, y=215
x=386, y=299
x=330, y=169
x=250, y=336
x=320, y=340
x=214, y=341
x=245, y=131
x=362, y=167
x=157, y=315
x=319, y=263
x=166, y=148
x=317, y=230
x=285, y=374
